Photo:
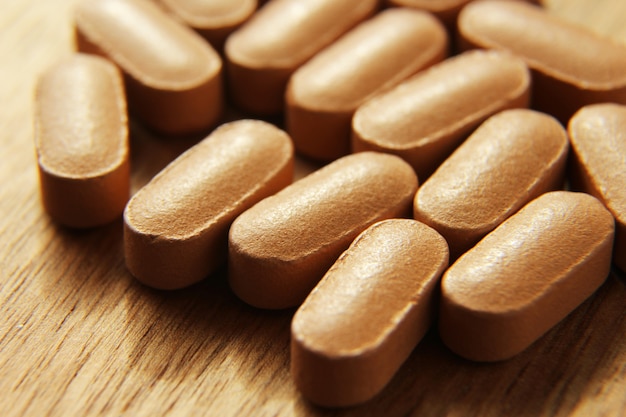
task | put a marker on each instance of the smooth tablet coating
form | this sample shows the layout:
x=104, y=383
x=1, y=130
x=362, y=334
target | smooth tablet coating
x=512, y=158
x=323, y=94
x=81, y=139
x=213, y=19
x=280, y=248
x=572, y=66
x=598, y=137
x=281, y=36
x=176, y=227
x=446, y=10
x=366, y=315
x=173, y=76
x=427, y=116
x=526, y=276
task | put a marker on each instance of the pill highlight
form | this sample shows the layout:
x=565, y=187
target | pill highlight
x=213, y=19
x=323, y=94
x=280, y=248
x=173, y=76
x=363, y=319
x=598, y=137
x=424, y=118
x=526, y=276
x=176, y=227
x=281, y=36
x=512, y=158
x=81, y=139
x=572, y=66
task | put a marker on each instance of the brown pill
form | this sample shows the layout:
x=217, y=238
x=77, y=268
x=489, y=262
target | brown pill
x=512, y=158
x=323, y=94
x=598, y=137
x=281, y=36
x=526, y=276
x=366, y=315
x=173, y=76
x=280, y=248
x=81, y=139
x=427, y=116
x=176, y=227
x=572, y=66
x=446, y=10
x=213, y=19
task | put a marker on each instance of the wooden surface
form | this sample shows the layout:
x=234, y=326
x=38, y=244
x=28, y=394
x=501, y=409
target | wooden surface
x=78, y=336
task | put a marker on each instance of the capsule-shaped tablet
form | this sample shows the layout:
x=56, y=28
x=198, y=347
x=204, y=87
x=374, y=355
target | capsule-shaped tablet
x=526, y=276
x=366, y=315
x=280, y=248
x=572, y=66
x=176, y=227
x=173, y=76
x=323, y=94
x=598, y=165
x=81, y=139
x=281, y=36
x=213, y=19
x=427, y=116
x=446, y=10
x=512, y=158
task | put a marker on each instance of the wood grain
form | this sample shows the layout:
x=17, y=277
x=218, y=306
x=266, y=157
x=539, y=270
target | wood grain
x=78, y=336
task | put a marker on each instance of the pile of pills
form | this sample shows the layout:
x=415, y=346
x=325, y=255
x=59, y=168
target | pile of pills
x=443, y=195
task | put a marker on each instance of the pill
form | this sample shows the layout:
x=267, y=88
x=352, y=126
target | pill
x=81, y=139
x=426, y=117
x=526, y=276
x=571, y=65
x=446, y=10
x=512, y=158
x=323, y=94
x=281, y=36
x=213, y=19
x=598, y=137
x=280, y=248
x=176, y=227
x=173, y=76
x=363, y=319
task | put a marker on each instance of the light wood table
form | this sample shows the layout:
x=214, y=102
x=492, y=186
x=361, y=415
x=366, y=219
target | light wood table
x=79, y=336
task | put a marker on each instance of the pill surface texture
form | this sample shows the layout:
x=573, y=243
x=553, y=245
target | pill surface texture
x=323, y=94
x=598, y=137
x=81, y=139
x=525, y=276
x=176, y=227
x=366, y=315
x=572, y=66
x=426, y=117
x=280, y=248
x=281, y=36
x=173, y=76
x=213, y=19
x=512, y=158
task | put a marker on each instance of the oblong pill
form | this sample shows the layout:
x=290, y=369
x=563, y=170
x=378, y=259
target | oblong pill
x=446, y=10
x=598, y=137
x=572, y=66
x=526, y=276
x=427, y=116
x=213, y=19
x=280, y=248
x=323, y=94
x=81, y=139
x=512, y=158
x=281, y=36
x=173, y=76
x=366, y=315
x=176, y=227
